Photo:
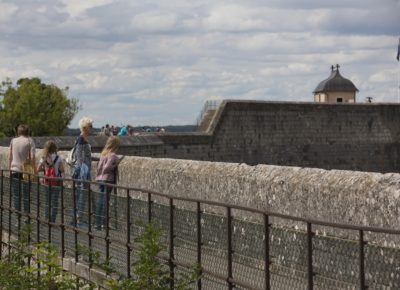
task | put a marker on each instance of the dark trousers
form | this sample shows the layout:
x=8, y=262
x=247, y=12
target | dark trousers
x=101, y=205
x=20, y=187
x=52, y=193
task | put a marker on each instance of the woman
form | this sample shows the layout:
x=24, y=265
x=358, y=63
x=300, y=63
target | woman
x=81, y=170
x=106, y=173
x=22, y=148
x=49, y=162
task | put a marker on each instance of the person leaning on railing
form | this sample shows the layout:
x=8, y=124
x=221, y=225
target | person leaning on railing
x=22, y=149
x=106, y=174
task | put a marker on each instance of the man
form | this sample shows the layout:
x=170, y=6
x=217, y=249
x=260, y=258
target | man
x=22, y=148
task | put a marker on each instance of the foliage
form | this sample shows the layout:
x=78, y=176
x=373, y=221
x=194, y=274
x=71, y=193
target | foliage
x=94, y=257
x=149, y=272
x=46, y=109
x=35, y=267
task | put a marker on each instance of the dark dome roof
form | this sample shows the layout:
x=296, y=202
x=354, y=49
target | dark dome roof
x=335, y=83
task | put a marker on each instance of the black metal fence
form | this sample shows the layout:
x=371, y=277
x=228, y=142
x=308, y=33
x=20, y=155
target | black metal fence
x=237, y=247
x=208, y=105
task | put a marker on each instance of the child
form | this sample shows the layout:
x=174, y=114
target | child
x=49, y=159
x=106, y=174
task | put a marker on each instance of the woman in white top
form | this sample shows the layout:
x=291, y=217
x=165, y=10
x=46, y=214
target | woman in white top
x=21, y=148
x=52, y=166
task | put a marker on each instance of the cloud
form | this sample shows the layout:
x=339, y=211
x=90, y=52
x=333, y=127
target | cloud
x=157, y=62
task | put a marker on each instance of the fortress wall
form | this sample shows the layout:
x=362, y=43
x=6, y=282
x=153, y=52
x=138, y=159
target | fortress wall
x=332, y=136
x=330, y=195
x=363, y=137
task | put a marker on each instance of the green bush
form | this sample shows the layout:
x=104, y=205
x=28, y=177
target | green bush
x=149, y=273
x=35, y=266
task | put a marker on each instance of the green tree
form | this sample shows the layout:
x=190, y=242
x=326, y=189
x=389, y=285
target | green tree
x=46, y=109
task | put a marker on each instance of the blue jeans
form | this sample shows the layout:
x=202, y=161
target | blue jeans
x=20, y=186
x=101, y=204
x=55, y=193
x=81, y=194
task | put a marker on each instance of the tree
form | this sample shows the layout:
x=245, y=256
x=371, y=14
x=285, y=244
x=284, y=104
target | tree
x=46, y=109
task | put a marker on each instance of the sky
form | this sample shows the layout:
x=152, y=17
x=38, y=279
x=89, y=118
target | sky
x=157, y=62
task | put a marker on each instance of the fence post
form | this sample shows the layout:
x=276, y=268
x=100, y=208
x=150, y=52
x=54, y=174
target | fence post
x=149, y=201
x=90, y=237
x=310, y=273
x=266, y=257
x=38, y=217
x=19, y=205
x=9, y=212
x=361, y=260
x=128, y=234
x=62, y=220
x=1, y=212
x=74, y=219
x=107, y=237
x=199, y=243
x=171, y=242
x=49, y=193
x=230, y=252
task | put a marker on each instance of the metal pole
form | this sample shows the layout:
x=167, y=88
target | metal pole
x=149, y=206
x=62, y=220
x=171, y=242
x=229, y=230
x=128, y=234
x=266, y=257
x=361, y=260
x=199, y=243
x=74, y=203
x=398, y=80
x=1, y=213
x=107, y=237
x=310, y=272
x=90, y=237
x=49, y=192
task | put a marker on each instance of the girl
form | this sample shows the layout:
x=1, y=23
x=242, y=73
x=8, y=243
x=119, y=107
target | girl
x=49, y=162
x=106, y=173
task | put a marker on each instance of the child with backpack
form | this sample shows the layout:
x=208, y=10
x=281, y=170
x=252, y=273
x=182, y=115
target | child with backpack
x=52, y=166
x=106, y=174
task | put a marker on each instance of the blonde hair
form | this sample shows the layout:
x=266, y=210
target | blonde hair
x=112, y=146
x=49, y=148
x=85, y=123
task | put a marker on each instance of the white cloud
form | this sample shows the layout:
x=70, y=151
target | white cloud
x=7, y=11
x=156, y=62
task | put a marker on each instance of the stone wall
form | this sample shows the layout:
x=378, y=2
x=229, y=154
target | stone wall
x=362, y=198
x=332, y=136
x=363, y=137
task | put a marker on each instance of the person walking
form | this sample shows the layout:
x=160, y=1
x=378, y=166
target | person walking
x=22, y=151
x=106, y=174
x=52, y=166
x=82, y=166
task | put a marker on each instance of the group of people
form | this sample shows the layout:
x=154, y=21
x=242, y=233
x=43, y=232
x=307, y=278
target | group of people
x=127, y=130
x=108, y=130
x=22, y=149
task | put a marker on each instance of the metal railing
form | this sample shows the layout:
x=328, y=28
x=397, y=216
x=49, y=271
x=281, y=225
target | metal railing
x=208, y=105
x=233, y=253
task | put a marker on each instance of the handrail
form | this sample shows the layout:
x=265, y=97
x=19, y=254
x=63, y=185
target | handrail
x=209, y=105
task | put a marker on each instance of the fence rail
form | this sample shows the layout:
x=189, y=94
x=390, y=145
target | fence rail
x=208, y=105
x=233, y=253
